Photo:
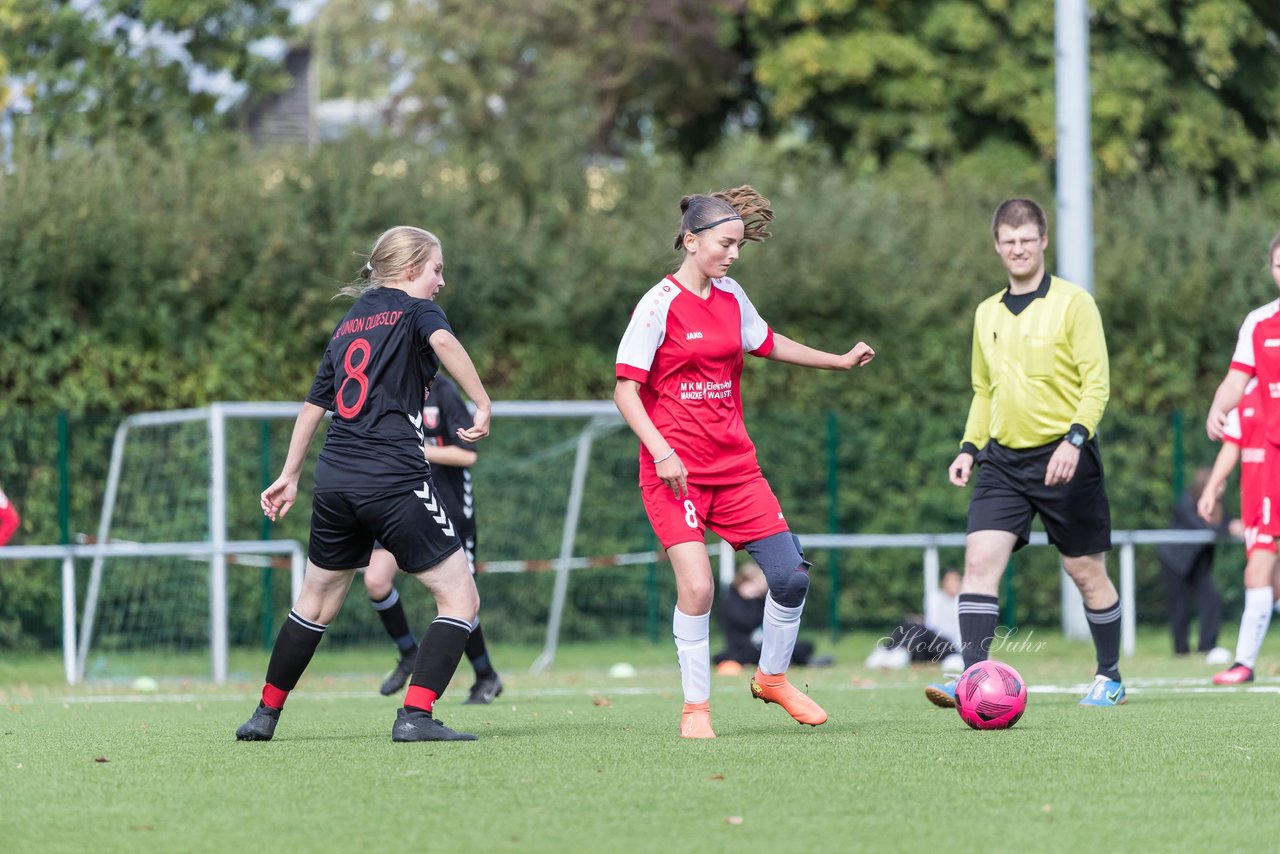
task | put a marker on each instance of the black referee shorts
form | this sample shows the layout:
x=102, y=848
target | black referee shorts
x=1010, y=490
x=411, y=525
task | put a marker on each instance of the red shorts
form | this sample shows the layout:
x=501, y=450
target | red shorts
x=738, y=512
x=1255, y=541
x=1268, y=510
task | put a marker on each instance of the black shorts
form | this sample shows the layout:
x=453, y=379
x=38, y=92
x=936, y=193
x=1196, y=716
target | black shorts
x=466, y=529
x=412, y=526
x=1010, y=490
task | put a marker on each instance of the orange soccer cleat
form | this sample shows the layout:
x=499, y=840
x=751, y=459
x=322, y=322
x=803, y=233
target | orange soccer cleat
x=695, y=721
x=774, y=688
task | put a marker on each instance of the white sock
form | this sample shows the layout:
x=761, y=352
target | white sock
x=781, y=625
x=693, y=651
x=1253, y=624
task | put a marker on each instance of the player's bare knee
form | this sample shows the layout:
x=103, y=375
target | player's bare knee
x=981, y=568
x=463, y=604
x=1094, y=585
x=696, y=597
x=377, y=588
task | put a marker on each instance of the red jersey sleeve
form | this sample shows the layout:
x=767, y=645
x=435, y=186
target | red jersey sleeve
x=9, y=518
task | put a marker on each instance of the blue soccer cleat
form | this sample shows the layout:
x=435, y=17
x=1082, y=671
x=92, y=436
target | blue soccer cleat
x=942, y=693
x=1104, y=692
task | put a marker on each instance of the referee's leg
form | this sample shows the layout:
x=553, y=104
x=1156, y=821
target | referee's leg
x=986, y=554
x=1102, y=608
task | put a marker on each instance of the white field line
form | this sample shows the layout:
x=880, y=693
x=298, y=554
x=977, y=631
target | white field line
x=617, y=689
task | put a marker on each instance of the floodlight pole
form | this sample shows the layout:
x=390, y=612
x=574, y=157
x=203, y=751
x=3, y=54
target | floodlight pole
x=1074, y=197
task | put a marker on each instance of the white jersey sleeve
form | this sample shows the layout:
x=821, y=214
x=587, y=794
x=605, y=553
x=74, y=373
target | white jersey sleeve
x=1232, y=432
x=757, y=337
x=645, y=333
x=1243, y=358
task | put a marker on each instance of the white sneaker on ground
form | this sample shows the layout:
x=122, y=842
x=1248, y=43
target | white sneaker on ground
x=897, y=658
x=1218, y=655
x=878, y=658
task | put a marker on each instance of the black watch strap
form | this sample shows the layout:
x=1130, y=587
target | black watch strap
x=1077, y=435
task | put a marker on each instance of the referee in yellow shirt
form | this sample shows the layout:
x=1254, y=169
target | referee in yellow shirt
x=1040, y=384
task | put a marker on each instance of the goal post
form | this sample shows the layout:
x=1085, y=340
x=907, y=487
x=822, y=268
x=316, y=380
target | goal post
x=73, y=653
x=204, y=530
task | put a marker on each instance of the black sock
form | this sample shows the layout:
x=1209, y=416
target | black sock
x=978, y=617
x=1104, y=625
x=477, y=653
x=294, y=647
x=439, y=654
x=391, y=612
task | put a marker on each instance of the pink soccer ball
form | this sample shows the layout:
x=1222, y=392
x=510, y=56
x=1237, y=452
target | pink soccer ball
x=991, y=695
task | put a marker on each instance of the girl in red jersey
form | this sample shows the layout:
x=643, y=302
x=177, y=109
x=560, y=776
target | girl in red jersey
x=1243, y=440
x=1257, y=356
x=678, y=369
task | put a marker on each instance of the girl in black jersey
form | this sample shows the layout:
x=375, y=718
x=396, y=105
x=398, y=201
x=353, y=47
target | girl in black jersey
x=372, y=481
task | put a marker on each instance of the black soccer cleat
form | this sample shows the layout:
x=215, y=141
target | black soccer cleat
x=396, y=678
x=417, y=725
x=261, y=726
x=485, y=691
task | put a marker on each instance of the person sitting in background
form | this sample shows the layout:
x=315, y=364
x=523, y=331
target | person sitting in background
x=935, y=636
x=742, y=618
x=1187, y=571
x=9, y=519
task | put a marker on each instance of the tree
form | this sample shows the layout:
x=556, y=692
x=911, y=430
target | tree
x=89, y=66
x=600, y=75
x=1178, y=85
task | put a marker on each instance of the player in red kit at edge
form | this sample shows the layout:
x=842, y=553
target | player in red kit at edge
x=1257, y=354
x=1243, y=441
x=9, y=518
x=678, y=369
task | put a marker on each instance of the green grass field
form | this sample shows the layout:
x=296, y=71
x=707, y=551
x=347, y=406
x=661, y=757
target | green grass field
x=578, y=761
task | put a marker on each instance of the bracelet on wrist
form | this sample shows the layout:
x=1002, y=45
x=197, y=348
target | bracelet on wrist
x=667, y=457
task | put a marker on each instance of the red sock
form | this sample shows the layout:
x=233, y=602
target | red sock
x=273, y=696
x=418, y=697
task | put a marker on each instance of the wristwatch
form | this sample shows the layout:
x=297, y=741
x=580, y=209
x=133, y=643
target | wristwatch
x=1077, y=435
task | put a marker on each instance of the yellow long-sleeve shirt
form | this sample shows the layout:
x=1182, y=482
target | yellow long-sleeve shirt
x=1036, y=373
